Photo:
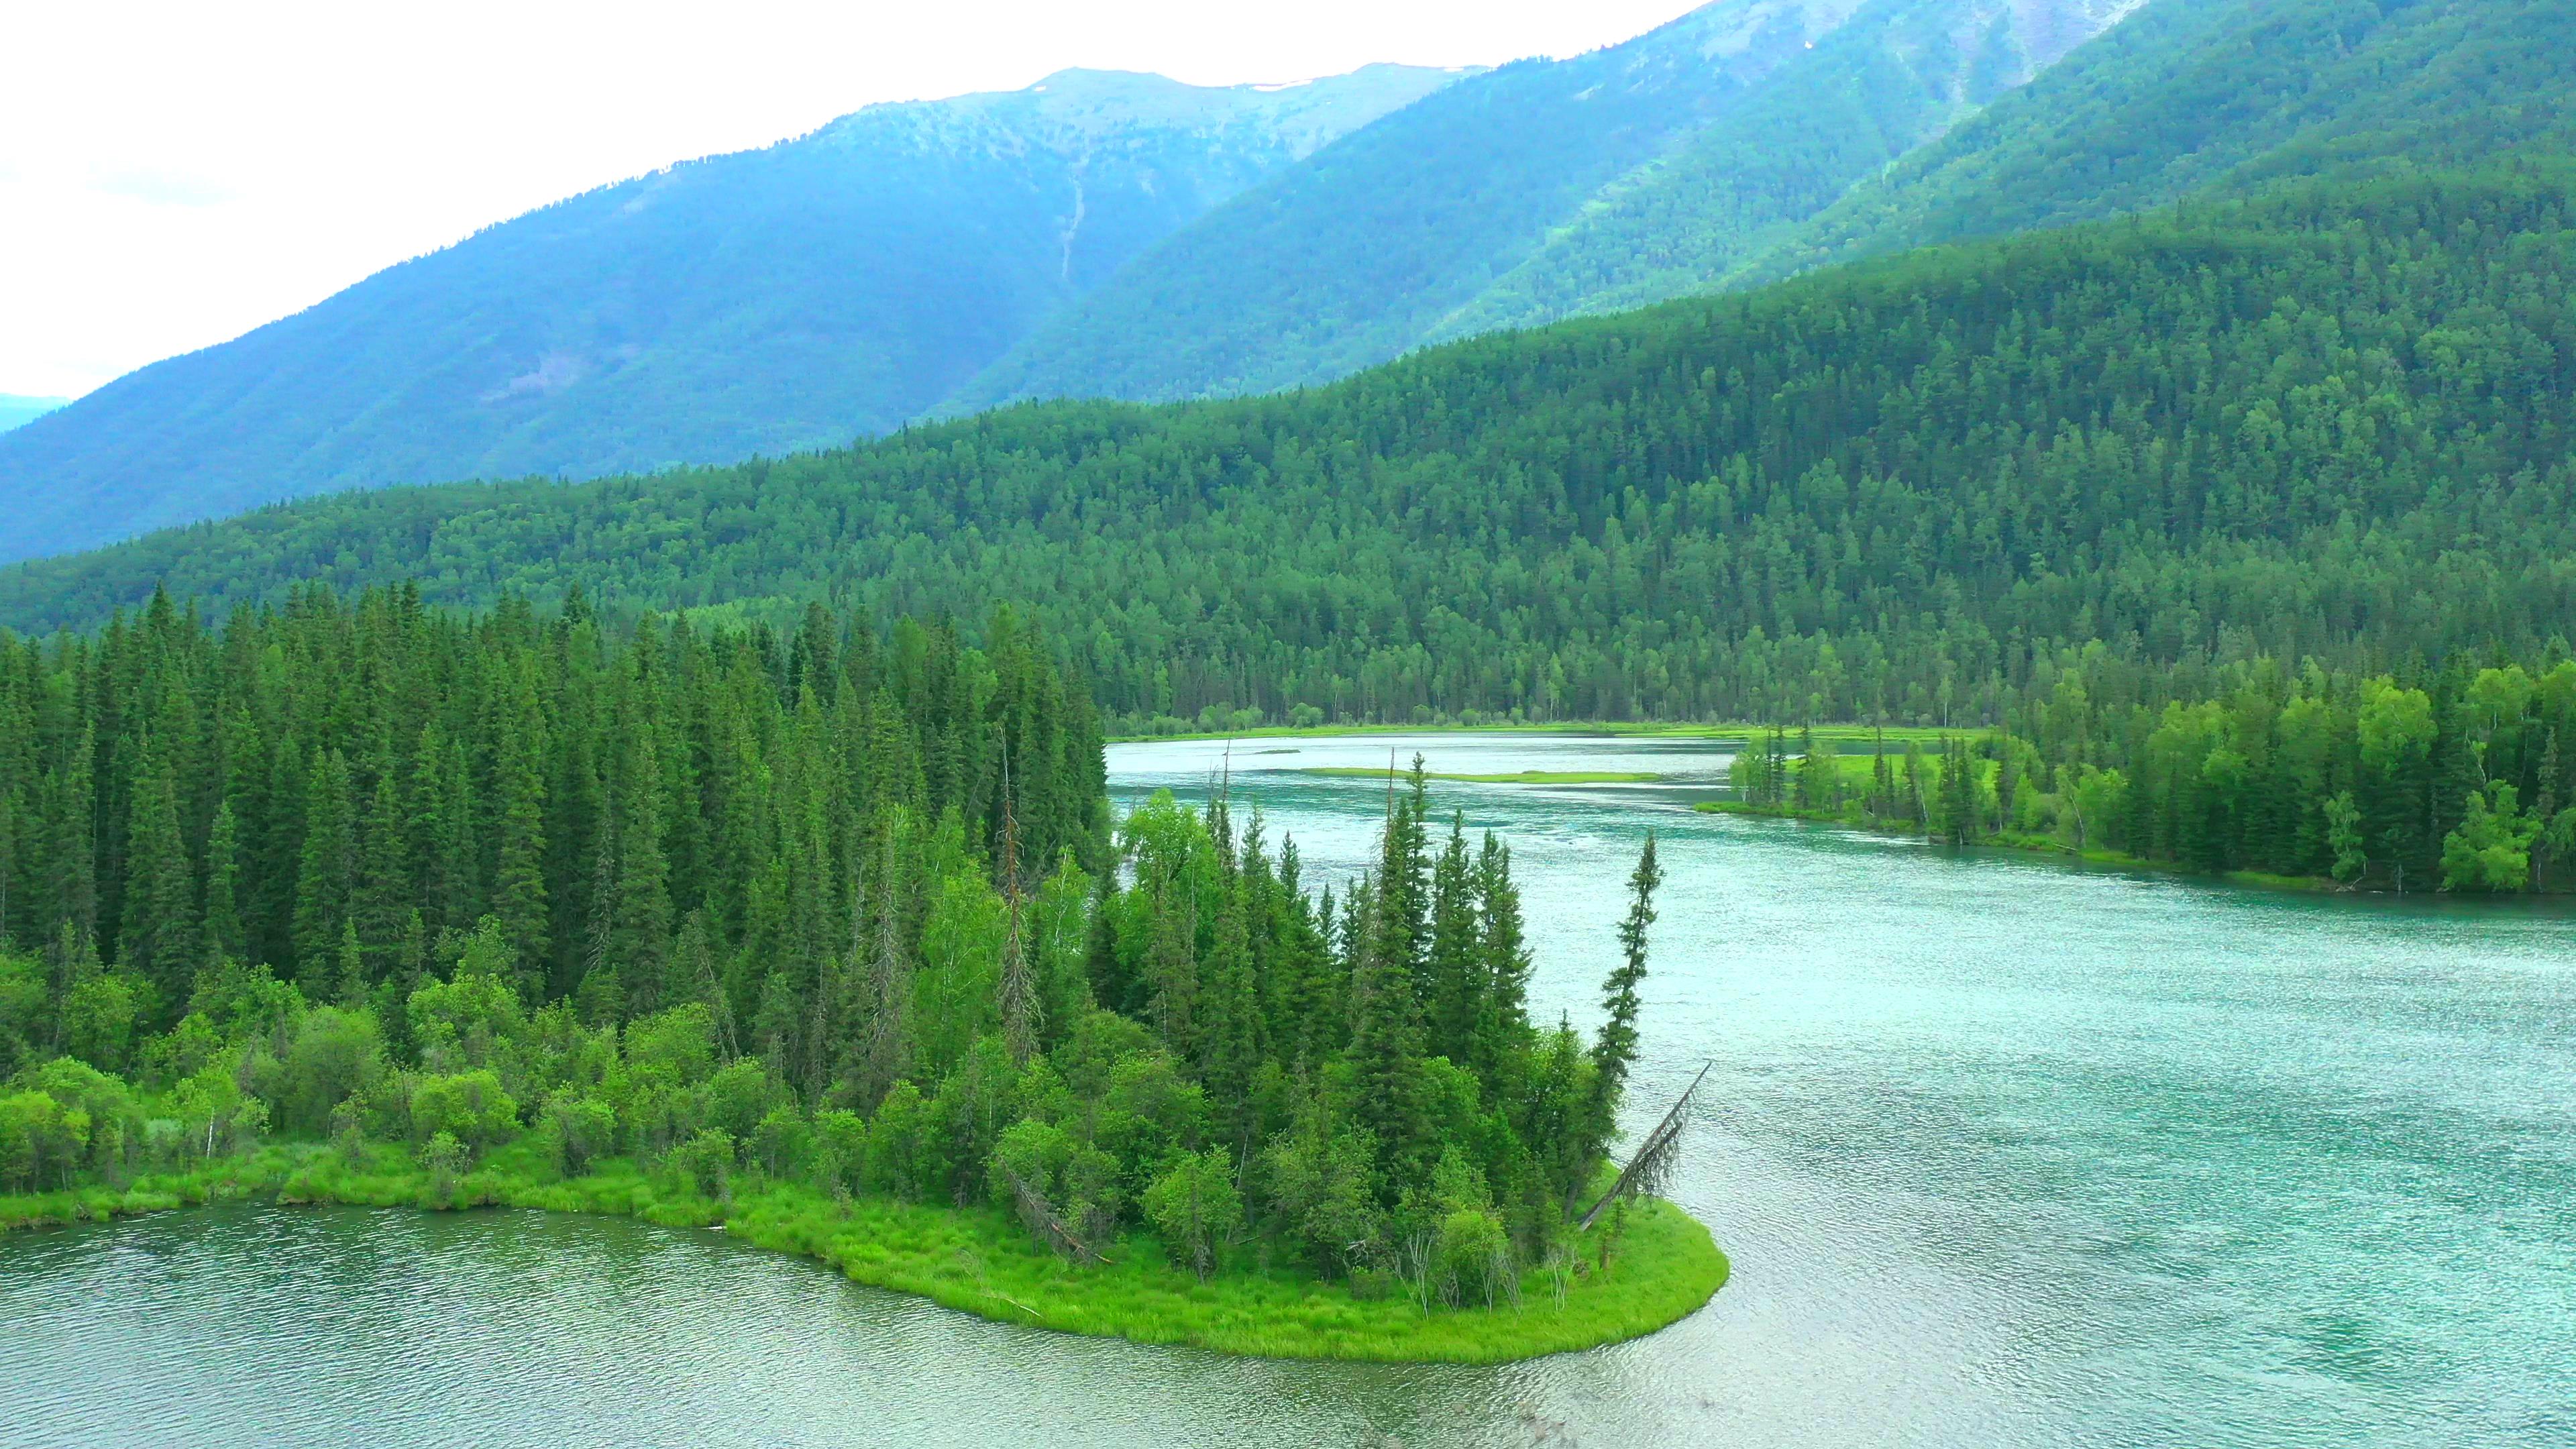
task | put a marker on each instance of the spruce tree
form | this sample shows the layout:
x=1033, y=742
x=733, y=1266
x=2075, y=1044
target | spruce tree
x=518, y=807
x=640, y=935
x=1015, y=985
x=223, y=939
x=385, y=890
x=1457, y=957
x=1614, y=1049
x=326, y=875
x=1386, y=1024
x=1502, y=1022
x=73, y=877
x=160, y=933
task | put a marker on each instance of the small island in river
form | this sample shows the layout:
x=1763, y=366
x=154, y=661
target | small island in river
x=819, y=961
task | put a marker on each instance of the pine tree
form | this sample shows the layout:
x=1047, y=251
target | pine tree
x=884, y=1054
x=640, y=935
x=160, y=934
x=1502, y=1023
x=1017, y=989
x=519, y=807
x=326, y=876
x=1457, y=957
x=442, y=828
x=1882, y=781
x=1386, y=1027
x=384, y=891
x=1172, y=965
x=352, y=971
x=73, y=847
x=1614, y=1050
x=222, y=928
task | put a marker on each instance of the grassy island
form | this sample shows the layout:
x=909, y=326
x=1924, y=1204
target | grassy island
x=827, y=938
x=1658, y=1268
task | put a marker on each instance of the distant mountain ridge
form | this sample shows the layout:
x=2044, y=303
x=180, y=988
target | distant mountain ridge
x=16, y=411
x=793, y=297
x=2213, y=96
x=1541, y=190
x=1127, y=237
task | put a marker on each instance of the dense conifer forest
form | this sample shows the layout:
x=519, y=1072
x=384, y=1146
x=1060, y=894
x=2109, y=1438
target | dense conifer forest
x=2197, y=508
x=814, y=906
x=2331, y=424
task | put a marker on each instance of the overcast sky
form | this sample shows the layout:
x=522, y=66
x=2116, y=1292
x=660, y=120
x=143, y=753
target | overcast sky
x=172, y=175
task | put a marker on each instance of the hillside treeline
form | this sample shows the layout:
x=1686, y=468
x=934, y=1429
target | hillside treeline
x=2333, y=424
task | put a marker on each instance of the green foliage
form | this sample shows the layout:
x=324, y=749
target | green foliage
x=1193, y=1203
x=336, y=1054
x=704, y=1163
x=2328, y=423
x=471, y=1107
x=2491, y=850
x=579, y=1131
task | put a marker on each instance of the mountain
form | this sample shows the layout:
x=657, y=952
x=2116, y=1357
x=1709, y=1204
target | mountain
x=15, y=410
x=1541, y=190
x=792, y=297
x=2333, y=421
x=2216, y=96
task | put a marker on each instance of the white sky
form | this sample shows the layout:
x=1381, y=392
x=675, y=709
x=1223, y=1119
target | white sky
x=172, y=175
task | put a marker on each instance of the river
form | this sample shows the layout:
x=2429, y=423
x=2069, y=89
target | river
x=2006, y=1153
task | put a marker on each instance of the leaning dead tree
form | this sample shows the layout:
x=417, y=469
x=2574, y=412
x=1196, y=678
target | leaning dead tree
x=1652, y=1167
x=1040, y=1215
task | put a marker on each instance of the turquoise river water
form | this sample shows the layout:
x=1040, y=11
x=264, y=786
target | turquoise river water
x=2006, y=1154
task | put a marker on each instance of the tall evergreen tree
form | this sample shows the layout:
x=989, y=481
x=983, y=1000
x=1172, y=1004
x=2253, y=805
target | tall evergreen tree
x=518, y=810
x=1614, y=1049
x=326, y=876
x=1457, y=957
x=160, y=934
x=1502, y=1020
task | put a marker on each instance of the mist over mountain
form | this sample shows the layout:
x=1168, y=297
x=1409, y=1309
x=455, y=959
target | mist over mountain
x=793, y=297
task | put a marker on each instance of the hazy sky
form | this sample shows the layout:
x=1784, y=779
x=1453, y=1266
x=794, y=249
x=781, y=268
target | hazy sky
x=172, y=175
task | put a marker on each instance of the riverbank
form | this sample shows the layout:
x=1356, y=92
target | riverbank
x=1840, y=734
x=1661, y=1268
x=2037, y=845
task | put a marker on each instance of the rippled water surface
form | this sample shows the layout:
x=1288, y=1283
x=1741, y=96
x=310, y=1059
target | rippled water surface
x=2005, y=1154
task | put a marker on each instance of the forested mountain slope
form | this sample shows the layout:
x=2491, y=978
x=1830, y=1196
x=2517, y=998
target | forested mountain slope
x=2332, y=422
x=2216, y=95
x=17, y=411
x=793, y=297
x=1542, y=189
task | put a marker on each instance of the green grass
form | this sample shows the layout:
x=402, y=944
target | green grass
x=1517, y=777
x=977, y=1259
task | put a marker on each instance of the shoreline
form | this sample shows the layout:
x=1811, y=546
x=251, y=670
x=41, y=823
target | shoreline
x=1598, y=729
x=977, y=1260
x=2045, y=848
